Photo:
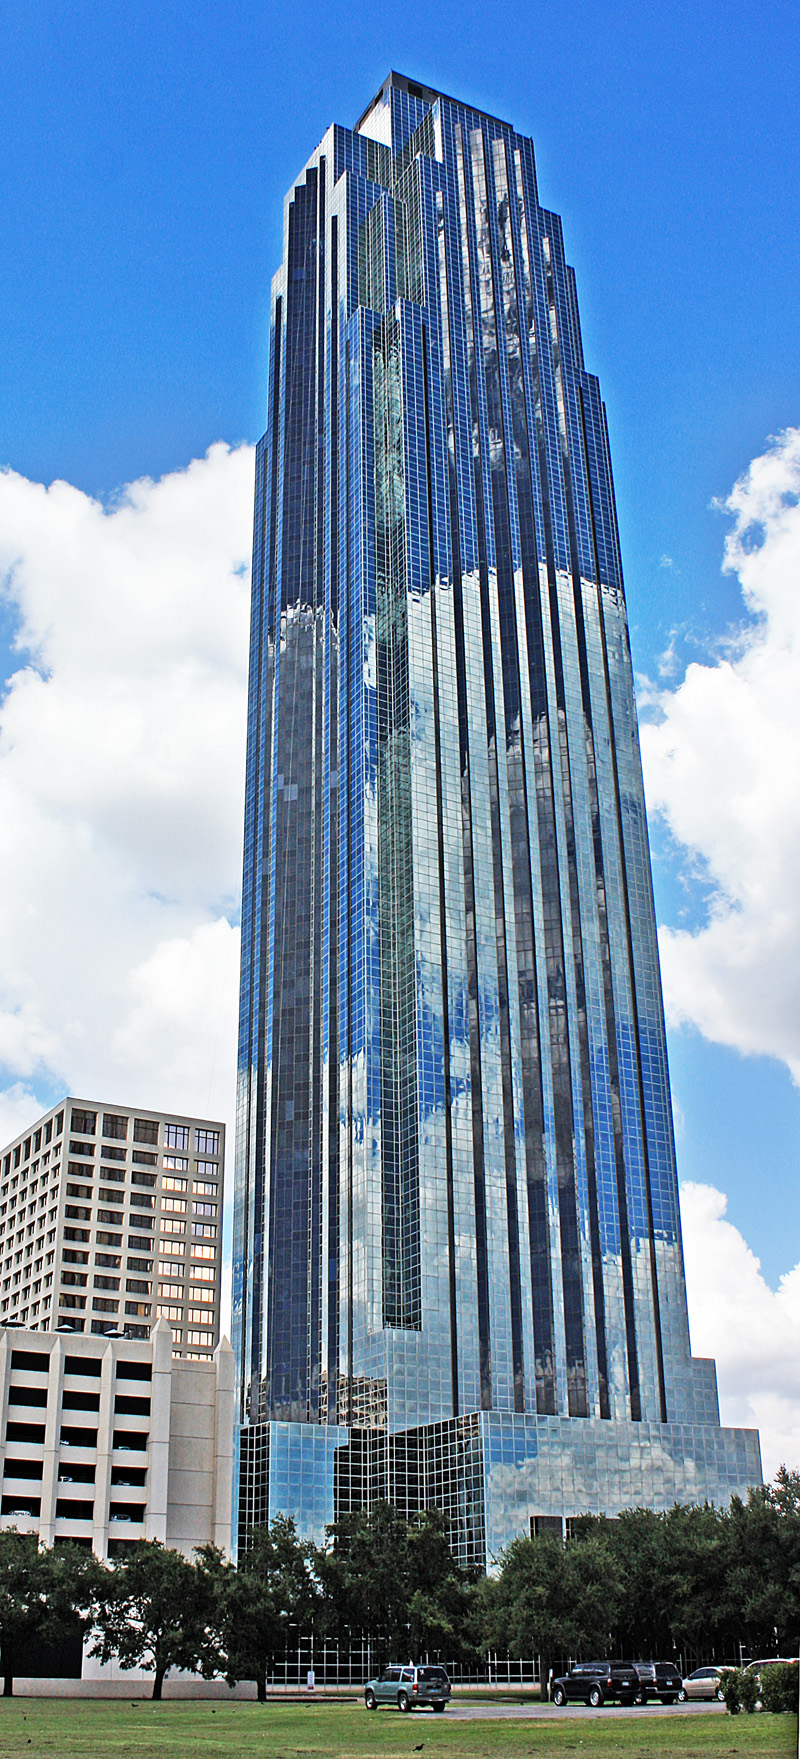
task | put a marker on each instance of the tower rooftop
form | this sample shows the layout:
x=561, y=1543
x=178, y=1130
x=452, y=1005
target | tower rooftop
x=426, y=94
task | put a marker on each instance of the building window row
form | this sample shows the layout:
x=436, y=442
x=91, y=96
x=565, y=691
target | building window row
x=115, y=1127
x=145, y=1130
x=33, y=1143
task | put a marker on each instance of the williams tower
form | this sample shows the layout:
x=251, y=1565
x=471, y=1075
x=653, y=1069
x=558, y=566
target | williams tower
x=458, y=1274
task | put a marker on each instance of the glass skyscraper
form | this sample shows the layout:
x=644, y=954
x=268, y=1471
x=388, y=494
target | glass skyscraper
x=458, y=1273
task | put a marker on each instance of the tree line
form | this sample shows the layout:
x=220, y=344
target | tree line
x=695, y=1581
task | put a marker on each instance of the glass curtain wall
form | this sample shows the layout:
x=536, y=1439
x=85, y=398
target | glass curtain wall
x=456, y=1189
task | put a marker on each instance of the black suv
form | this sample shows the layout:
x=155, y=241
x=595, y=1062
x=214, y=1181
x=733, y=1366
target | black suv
x=657, y=1679
x=594, y=1682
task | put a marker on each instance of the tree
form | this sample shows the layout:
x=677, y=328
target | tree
x=694, y=1578
x=669, y=1574
x=155, y=1613
x=594, y=1591
x=257, y=1604
x=762, y=1589
x=74, y=1585
x=528, y=1608
x=364, y=1577
x=42, y=1594
x=397, y=1583
x=23, y=1602
x=441, y=1596
x=669, y=1570
x=554, y=1600
x=638, y=1564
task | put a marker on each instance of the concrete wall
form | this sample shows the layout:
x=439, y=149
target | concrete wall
x=185, y=1422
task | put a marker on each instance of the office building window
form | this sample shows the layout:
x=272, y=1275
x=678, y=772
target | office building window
x=145, y=1130
x=176, y=1136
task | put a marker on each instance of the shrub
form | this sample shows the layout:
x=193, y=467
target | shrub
x=749, y=1690
x=731, y=1686
x=778, y=1690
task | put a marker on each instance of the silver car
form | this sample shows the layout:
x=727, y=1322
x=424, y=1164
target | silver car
x=705, y=1682
x=408, y=1687
x=759, y=1667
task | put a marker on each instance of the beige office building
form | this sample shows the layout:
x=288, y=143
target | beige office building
x=111, y=1218
x=105, y=1441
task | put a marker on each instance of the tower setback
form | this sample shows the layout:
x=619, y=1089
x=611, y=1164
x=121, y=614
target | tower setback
x=458, y=1272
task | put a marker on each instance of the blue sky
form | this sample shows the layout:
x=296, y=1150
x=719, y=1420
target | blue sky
x=147, y=150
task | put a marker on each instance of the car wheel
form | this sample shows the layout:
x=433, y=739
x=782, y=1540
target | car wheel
x=438, y=1708
x=403, y=1701
x=595, y=1697
x=370, y=1700
x=681, y=1696
x=641, y=1697
x=560, y=1697
x=719, y=1695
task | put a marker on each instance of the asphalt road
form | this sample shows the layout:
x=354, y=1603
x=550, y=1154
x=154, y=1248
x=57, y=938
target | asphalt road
x=465, y=1712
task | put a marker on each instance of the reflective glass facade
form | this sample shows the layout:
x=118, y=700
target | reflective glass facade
x=456, y=1209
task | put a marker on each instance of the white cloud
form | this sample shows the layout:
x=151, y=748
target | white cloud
x=18, y=1107
x=121, y=785
x=751, y=1329
x=722, y=766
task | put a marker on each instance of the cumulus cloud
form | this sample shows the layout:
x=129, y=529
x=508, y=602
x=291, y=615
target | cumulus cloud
x=121, y=777
x=751, y=1329
x=722, y=766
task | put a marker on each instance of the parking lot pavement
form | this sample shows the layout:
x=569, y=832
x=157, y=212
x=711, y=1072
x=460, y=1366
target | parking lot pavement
x=466, y=1712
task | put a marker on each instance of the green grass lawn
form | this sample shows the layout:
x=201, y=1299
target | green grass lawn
x=72, y=1729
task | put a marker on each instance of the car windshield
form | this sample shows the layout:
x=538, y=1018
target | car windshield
x=429, y=1674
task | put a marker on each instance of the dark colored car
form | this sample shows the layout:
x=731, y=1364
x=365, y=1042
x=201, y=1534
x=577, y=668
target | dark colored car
x=657, y=1679
x=594, y=1682
x=408, y=1687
